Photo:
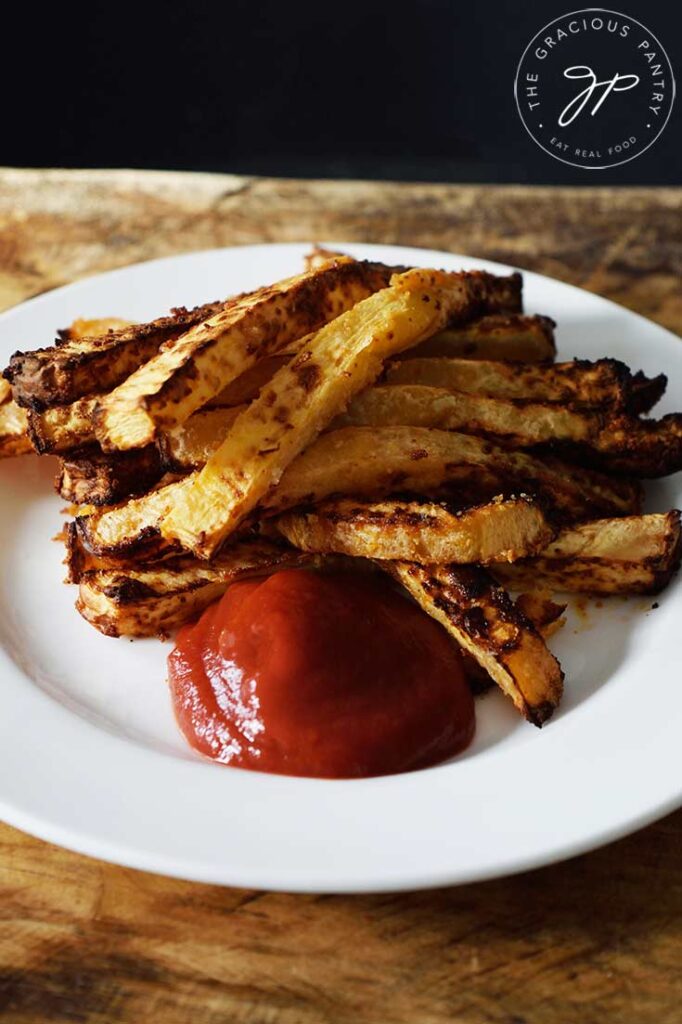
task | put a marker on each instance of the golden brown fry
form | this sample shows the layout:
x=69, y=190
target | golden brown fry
x=387, y=460
x=619, y=443
x=494, y=294
x=187, y=446
x=483, y=619
x=582, y=384
x=538, y=607
x=92, y=353
x=643, y=448
x=63, y=428
x=131, y=531
x=82, y=365
x=13, y=437
x=499, y=531
x=150, y=599
x=631, y=555
x=545, y=613
x=77, y=559
x=198, y=365
x=519, y=425
x=246, y=387
x=378, y=462
x=91, y=476
x=508, y=336
x=190, y=445
x=340, y=360
x=66, y=428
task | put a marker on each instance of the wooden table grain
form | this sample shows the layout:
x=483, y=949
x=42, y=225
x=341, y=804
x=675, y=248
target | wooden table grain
x=592, y=941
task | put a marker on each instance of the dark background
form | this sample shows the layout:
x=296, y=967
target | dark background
x=373, y=89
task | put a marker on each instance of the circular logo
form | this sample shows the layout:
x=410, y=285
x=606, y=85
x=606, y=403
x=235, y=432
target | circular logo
x=594, y=88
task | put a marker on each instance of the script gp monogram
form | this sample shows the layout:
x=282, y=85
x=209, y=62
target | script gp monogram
x=594, y=88
x=619, y=83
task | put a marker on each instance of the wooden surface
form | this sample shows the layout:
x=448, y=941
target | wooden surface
x=597, y=939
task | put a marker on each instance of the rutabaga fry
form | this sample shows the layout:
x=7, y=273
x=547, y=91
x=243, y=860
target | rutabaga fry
x=14, y=439
x=153, y=598
x=615, y=442
x=513, y=337
x=519, y=425
x=642, y=448
x=583, y=384
x=303, y=397
x=150, y=599
x=63, y=428
x=82, y=364
x=197, y=366
x=376, y=463
x=500, y=531
x=494, y=294
x=389, y=460
x=538, y=607
x=245, y=387
x=91, y=476
x=482, y=618
x=630, y=555
x=622, y=445
x=190, y=445
x=545, y=613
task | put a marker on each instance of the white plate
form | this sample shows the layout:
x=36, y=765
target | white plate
x=90, y=756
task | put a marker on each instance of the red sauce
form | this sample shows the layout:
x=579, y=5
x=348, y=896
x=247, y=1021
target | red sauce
x=333, y=675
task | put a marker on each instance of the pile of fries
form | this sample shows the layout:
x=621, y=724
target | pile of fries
x=406, y=420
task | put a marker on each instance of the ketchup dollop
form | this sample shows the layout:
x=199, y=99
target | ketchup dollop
x=327, y=674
